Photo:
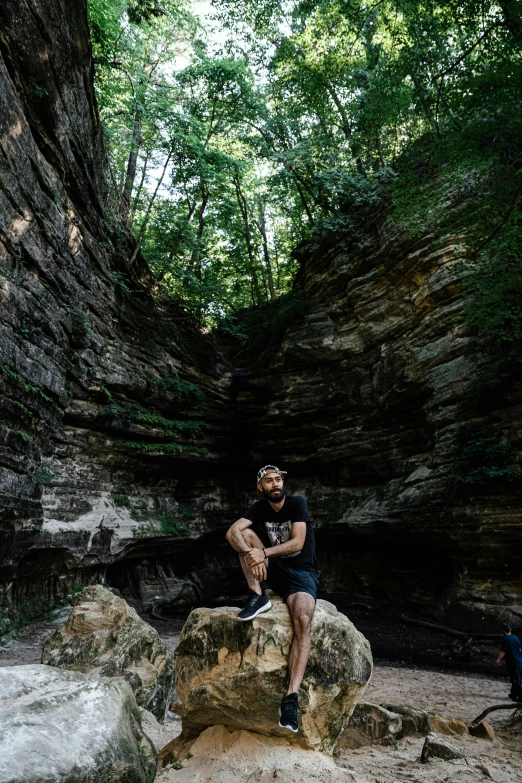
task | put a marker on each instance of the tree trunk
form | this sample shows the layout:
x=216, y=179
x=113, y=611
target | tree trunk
x=266, y=254
x=132, y=212
x=132, y=162
x=511, y=10
x=304, y=201
x=379, y=150
x=346, y=127
x=194, y=265
x=149, y=210
x=243, y=208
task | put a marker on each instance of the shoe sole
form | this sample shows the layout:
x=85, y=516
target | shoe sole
x=290, y=728
x=259, y=611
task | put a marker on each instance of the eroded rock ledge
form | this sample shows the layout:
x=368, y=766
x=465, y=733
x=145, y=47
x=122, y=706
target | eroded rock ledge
x=114, y=429
x=402, y=429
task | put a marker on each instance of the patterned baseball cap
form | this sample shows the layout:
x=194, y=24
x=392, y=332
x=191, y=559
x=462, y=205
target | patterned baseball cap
x=269, y=469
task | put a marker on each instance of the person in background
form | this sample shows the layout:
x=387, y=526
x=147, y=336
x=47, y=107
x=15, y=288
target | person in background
x=512, y=652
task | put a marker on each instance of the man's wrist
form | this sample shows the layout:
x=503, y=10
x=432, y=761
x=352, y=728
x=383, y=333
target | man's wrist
x=265, y=552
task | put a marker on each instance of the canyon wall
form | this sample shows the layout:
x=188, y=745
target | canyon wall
x=128, y=441
x=114, y=429
x=403, y=429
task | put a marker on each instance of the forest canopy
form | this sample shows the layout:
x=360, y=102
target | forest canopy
x=232, y=140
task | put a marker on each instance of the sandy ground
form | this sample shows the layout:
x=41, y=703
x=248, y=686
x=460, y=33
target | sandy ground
x=455, y=695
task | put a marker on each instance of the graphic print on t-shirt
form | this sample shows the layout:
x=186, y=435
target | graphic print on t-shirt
x=280, y=533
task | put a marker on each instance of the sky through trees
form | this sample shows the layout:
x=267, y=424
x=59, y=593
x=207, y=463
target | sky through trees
x=239, y=129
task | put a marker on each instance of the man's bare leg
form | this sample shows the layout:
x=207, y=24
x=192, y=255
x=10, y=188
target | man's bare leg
x=253, y=541
x=302, y=608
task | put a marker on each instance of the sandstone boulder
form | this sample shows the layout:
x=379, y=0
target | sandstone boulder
x=452, y=727
x=61, y=727
x=104, y=637
x=234, y=674
x=370, y=724
x=436, y=748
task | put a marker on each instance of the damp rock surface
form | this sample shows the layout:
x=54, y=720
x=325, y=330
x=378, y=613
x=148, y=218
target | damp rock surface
x=60, y=727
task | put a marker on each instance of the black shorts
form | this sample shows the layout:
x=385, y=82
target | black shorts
x=285, y=581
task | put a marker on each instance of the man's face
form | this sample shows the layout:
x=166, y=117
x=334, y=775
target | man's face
x=271, y=485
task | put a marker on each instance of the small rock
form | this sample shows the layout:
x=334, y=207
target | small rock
x=104, y=637
x=452, y=727
x=436, y=748
x=483, y=730
x=370, y=724
x=414, y=721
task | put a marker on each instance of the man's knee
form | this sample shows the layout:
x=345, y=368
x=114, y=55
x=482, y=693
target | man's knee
x=250, y=537
x=302, y=622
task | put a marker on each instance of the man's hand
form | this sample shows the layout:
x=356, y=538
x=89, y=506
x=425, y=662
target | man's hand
x=259, y=572
x=255, y=557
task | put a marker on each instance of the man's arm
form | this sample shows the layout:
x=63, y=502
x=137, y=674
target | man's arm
x=502, y=653
x=235, y=537
x=294, y=544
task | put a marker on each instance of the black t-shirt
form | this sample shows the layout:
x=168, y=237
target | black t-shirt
x=276, y=527
x=511, y=647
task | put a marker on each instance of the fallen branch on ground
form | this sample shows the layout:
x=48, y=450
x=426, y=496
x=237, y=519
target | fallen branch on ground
x=482, y=715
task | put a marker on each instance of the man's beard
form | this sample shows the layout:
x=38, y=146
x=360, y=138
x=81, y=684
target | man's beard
x=274, y=495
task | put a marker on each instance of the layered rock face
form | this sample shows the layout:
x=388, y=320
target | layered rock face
x=57, y=726
x=235, y=674
x=104, y=637
x=106, y=396
x=402, y=429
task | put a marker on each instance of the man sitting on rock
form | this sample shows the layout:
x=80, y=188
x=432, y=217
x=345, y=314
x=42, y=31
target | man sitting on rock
x=288, y=566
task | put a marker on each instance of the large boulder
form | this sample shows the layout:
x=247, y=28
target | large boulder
x=61, y=727
x=104, y=637
x=235, y=674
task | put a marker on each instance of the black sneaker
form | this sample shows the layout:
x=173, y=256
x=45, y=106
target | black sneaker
x=288, y=712
x=255, y=604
